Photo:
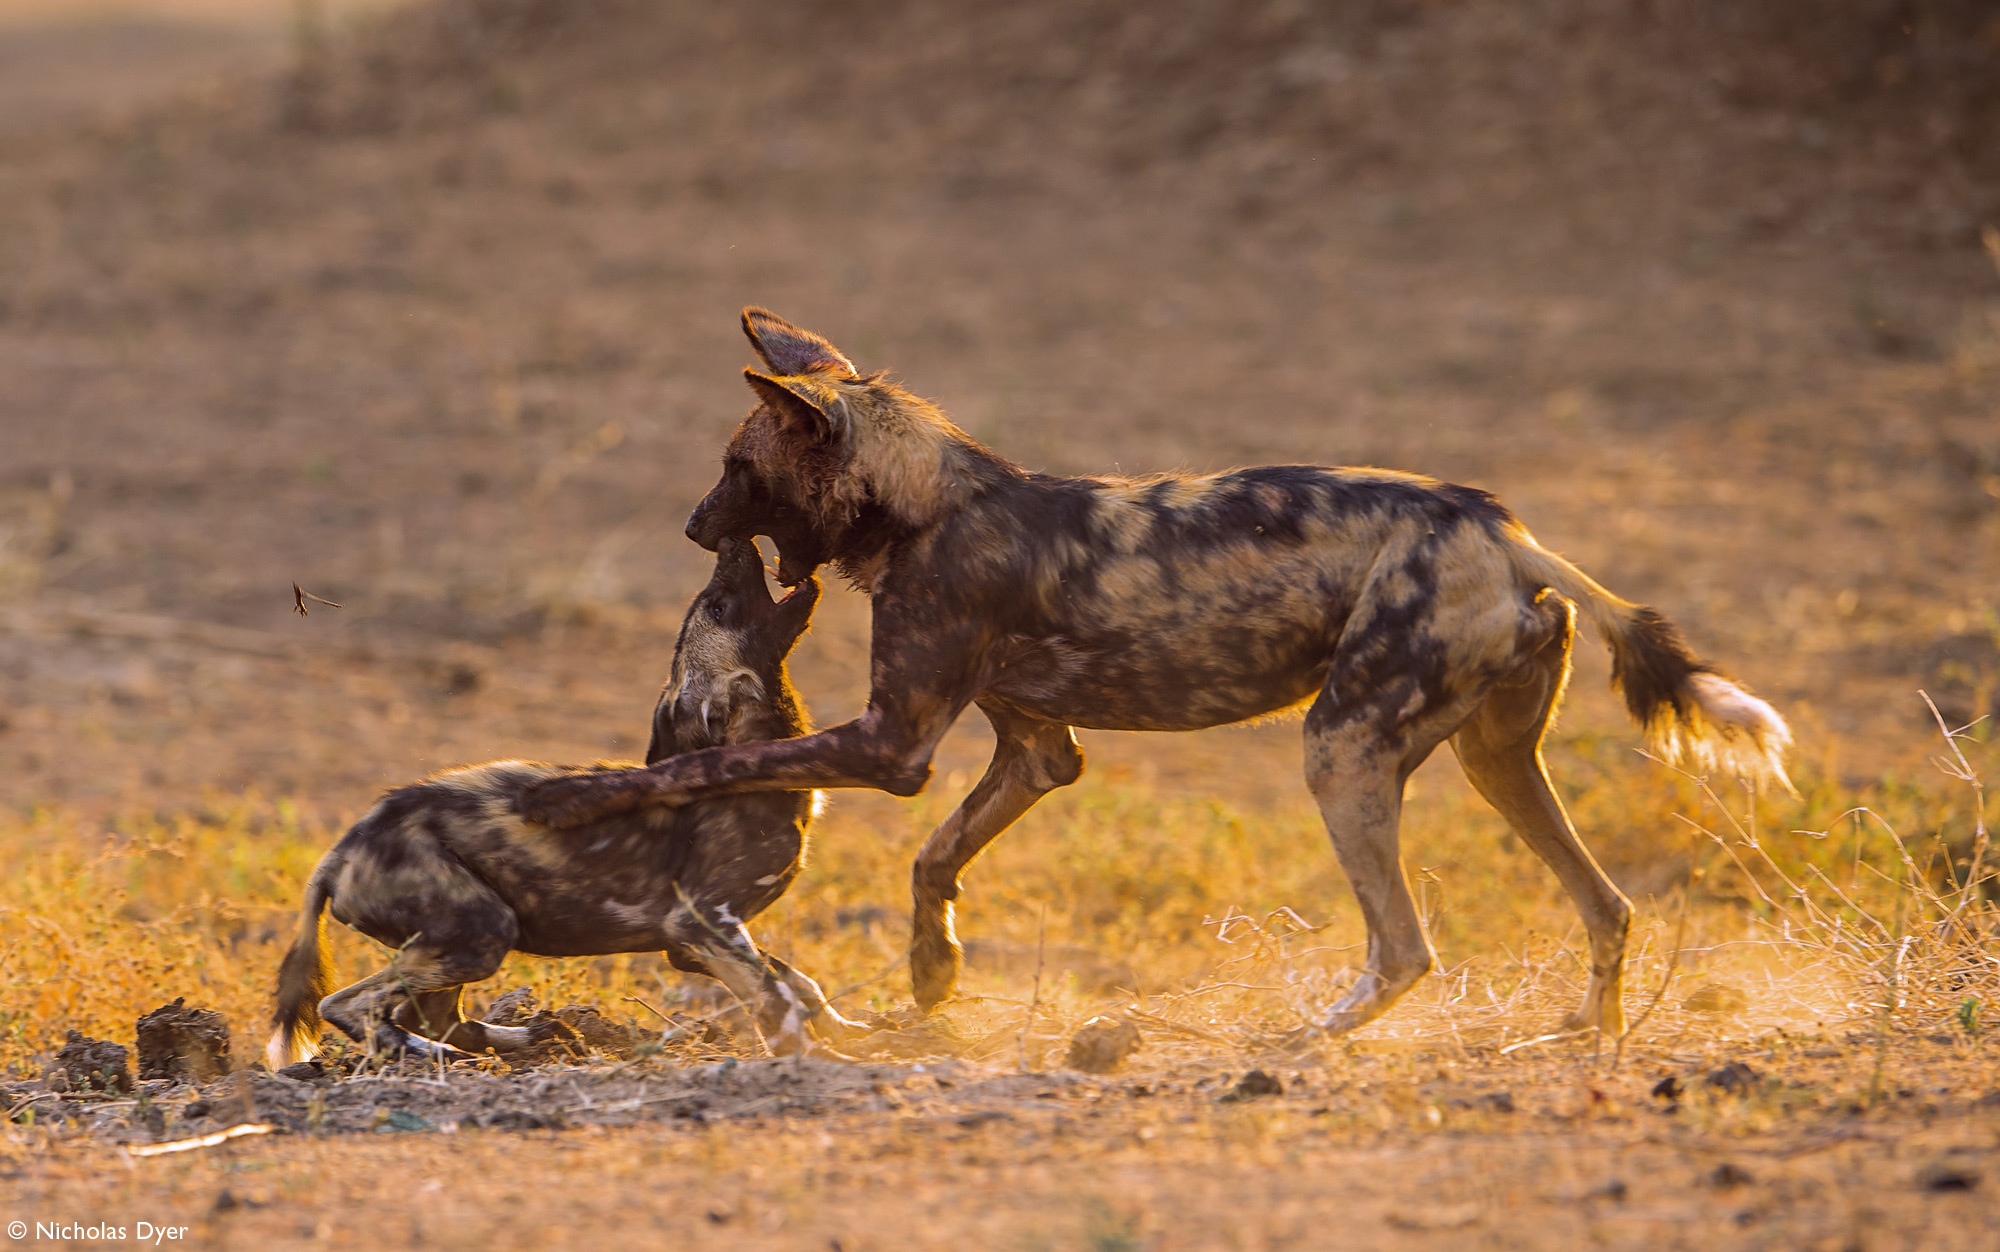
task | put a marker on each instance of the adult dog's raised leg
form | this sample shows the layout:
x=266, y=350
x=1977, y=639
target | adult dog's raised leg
x=1500, y=748
x=1031, y=758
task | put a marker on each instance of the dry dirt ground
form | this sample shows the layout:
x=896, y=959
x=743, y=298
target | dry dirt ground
x=436, y=317
x=1359, y=1149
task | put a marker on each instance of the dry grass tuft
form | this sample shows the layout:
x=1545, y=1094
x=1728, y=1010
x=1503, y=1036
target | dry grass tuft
x=1215, y=932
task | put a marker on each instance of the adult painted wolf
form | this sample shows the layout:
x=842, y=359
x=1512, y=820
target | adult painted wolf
x=1407, y=611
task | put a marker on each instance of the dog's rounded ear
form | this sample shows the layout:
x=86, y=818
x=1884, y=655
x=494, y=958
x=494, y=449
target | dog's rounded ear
x=794, y=407
x=790, y=349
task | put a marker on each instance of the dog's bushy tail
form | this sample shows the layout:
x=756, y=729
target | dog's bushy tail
x=305, y=977
x=1692, y=715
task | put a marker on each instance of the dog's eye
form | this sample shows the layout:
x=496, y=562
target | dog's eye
x=715, y=610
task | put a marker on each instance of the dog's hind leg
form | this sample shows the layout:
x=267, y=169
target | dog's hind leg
x=448, y=929
x=438, y=1015
x=1392, y=694
x=382, y=1010
x=1500, y=749
x=1031, y=758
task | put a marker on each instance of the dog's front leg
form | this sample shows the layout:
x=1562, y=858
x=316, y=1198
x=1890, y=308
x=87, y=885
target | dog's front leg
x=883, y=749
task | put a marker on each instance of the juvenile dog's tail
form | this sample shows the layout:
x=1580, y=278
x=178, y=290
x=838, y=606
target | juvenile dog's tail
x=1691, y=714
x=305, y=977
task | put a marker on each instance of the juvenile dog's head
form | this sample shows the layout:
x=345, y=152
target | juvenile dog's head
x=729, y=683
x=828, y=456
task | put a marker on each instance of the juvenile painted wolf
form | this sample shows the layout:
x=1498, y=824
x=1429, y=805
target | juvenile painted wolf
x=1406, y=610
x=447, y=873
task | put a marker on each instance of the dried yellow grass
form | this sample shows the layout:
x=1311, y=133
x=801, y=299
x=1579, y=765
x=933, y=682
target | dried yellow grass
x=1216, y=931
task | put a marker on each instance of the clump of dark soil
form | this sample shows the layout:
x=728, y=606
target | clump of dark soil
x=1101, y=1045
x=596, y=1031
x=576, y=1029
x=176, y=1041
x=85, y=1064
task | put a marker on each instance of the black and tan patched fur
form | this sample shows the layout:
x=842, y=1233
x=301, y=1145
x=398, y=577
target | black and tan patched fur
x=449, y=874
x=1404, y=611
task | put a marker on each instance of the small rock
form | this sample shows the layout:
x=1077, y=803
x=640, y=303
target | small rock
x=304, y=1071
x=1668, y=1088
x=179, y=1042
x=1728, y=1175
x=1947, y=1175
x=194, y=1110
x=1716, y=999
x=1101, y=1045
x=1735, y=1078
x=1613, y=1190
x=1252, y=1085
x=85, y=1064
x=1496, y=1102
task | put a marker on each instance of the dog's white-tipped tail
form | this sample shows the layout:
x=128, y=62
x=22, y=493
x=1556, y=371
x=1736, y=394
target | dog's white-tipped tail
x=304, y=978
x=1692, y=716
x=1725, y=727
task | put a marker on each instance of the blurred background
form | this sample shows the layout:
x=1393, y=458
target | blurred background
x=431, y=309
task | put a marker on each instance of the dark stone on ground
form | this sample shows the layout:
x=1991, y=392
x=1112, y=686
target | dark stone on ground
x=1947, y=1175
x=1734, y=1078
x=1729, y=1174
x=1252, y=1085
x=180, y=1042
x=85, y=1064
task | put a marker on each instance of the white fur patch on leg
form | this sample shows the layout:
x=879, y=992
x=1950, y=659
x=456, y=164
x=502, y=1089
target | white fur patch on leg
x=1729, y=729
